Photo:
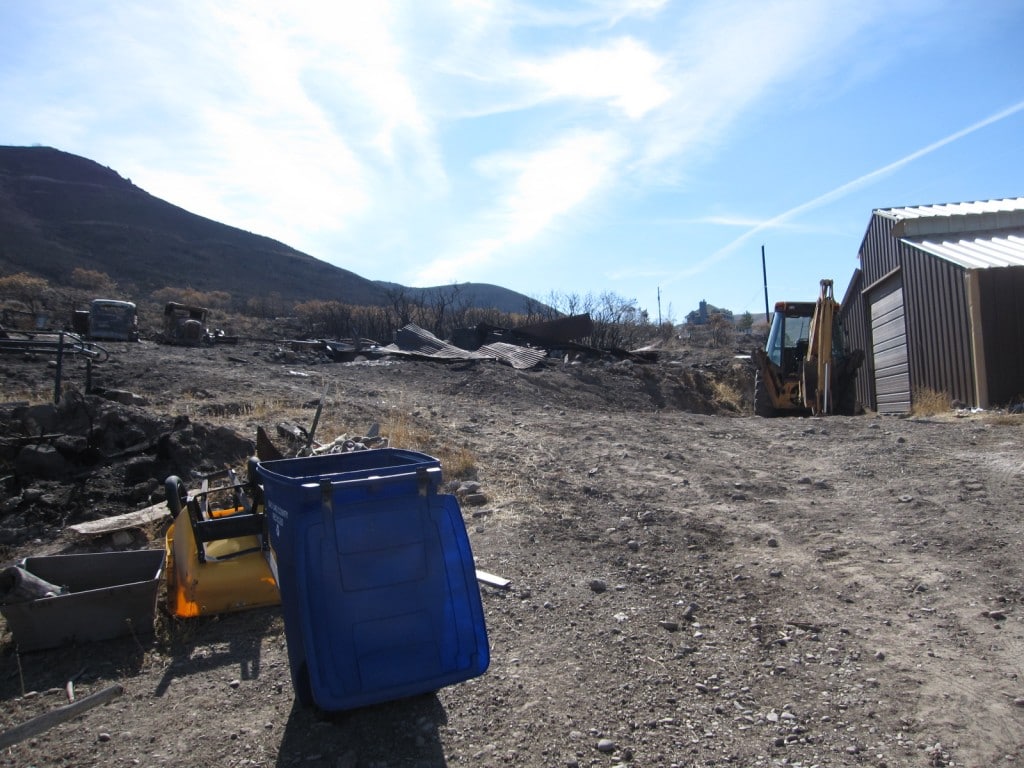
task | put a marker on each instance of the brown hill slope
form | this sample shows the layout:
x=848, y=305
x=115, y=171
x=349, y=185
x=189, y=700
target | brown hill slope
x=59, y=212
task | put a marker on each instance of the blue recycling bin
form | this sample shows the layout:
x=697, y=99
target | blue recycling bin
x=377, y=580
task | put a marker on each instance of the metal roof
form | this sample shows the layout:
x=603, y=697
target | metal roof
x=980, y=251
x=973, y=235
x=980, y=216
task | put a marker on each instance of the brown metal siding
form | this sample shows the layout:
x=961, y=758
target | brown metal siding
x=937, y=319
x=888, y=351
x=1002, y=320
x=879, y=251
x=853, y=315
x=879, y=256
x=938, y=325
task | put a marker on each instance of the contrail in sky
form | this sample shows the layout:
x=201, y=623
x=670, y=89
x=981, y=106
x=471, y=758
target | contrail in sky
x=843, y=190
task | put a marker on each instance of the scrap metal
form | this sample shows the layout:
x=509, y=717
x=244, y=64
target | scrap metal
x=414, y=341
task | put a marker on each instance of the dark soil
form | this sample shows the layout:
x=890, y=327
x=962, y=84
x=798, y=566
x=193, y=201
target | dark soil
x=690, y=585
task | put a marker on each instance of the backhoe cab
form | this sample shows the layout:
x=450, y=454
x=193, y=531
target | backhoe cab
x=805, y=365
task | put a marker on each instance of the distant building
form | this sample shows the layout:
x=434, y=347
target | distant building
x=703, y=314
x=938, y=304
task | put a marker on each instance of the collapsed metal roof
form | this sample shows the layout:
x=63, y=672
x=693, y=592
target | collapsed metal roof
x=415, y=341
x=973, y=235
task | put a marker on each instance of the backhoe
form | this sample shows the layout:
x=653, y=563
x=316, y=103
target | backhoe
x=805, y=366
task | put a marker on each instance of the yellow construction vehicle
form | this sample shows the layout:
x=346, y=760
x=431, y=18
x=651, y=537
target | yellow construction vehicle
x=805, y=366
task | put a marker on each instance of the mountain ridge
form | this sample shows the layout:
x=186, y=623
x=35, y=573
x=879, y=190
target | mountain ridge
x=60, y=211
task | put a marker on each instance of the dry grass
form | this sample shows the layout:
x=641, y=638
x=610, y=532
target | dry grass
x=1005, y=419
x=727, y=395
x=20, y=393
x=457, y=462
x=928, y=402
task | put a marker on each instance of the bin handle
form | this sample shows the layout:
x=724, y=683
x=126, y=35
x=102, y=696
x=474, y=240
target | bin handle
x=176, y=494
x=419, y=473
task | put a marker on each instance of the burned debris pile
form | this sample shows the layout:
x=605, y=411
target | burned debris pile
x=86, y=456
x=522, y=348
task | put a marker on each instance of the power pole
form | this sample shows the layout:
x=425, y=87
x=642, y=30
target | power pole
x=659, y=306
x=764, y=271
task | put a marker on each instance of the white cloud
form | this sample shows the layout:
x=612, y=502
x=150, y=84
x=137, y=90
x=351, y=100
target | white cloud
x=541, y=188
x=624, y=73
x=732, y=55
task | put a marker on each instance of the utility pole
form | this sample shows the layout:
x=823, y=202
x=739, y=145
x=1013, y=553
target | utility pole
x=659, y=306
x=764, y=271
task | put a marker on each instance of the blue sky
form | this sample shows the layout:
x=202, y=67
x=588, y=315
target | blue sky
x=571, y=148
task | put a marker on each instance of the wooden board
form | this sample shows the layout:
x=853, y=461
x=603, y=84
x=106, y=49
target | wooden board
x=495, y=581
x=121, y=522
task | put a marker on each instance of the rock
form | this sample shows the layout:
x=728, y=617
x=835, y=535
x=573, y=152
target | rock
x=606, y=745
x=773, y=542
x=124, y=397
x=671, y=626
x=42, y=461
x=38, y=419
x=598, y=586
x=475, y=499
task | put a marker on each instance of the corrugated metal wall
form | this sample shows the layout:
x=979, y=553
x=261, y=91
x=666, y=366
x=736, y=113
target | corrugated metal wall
x=938, y=325
x=852, y=314
x=935, y=314
x=888, y=351
x=1002, y=318
x=879, y=252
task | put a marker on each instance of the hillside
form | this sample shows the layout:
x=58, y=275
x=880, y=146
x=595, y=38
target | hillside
x=59, y=212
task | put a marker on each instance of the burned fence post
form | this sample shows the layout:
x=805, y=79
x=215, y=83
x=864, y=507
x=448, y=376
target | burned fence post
x=60, y=366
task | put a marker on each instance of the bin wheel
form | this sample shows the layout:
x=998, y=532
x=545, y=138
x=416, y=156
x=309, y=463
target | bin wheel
x=177, y=496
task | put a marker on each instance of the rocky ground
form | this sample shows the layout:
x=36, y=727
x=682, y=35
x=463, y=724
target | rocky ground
x=690, y=585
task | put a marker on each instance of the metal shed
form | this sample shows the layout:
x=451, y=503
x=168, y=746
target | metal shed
x=938, y=304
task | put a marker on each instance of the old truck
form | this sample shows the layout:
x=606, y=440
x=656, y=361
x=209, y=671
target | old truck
x=107, y=320
x=805, y=367
x=185, y=325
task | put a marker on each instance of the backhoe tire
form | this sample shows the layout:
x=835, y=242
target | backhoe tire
x=762, y=400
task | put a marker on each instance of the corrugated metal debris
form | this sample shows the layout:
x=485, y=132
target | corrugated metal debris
x=414, y=341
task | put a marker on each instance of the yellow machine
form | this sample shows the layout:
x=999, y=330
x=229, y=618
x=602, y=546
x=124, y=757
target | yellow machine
x=805, y=365
x=217, y=553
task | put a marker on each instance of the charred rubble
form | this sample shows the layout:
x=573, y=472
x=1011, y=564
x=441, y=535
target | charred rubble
x=89, y=457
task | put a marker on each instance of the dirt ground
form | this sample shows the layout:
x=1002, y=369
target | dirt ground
x=690, y=585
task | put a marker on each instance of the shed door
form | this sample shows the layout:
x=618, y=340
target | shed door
x=889, y=348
